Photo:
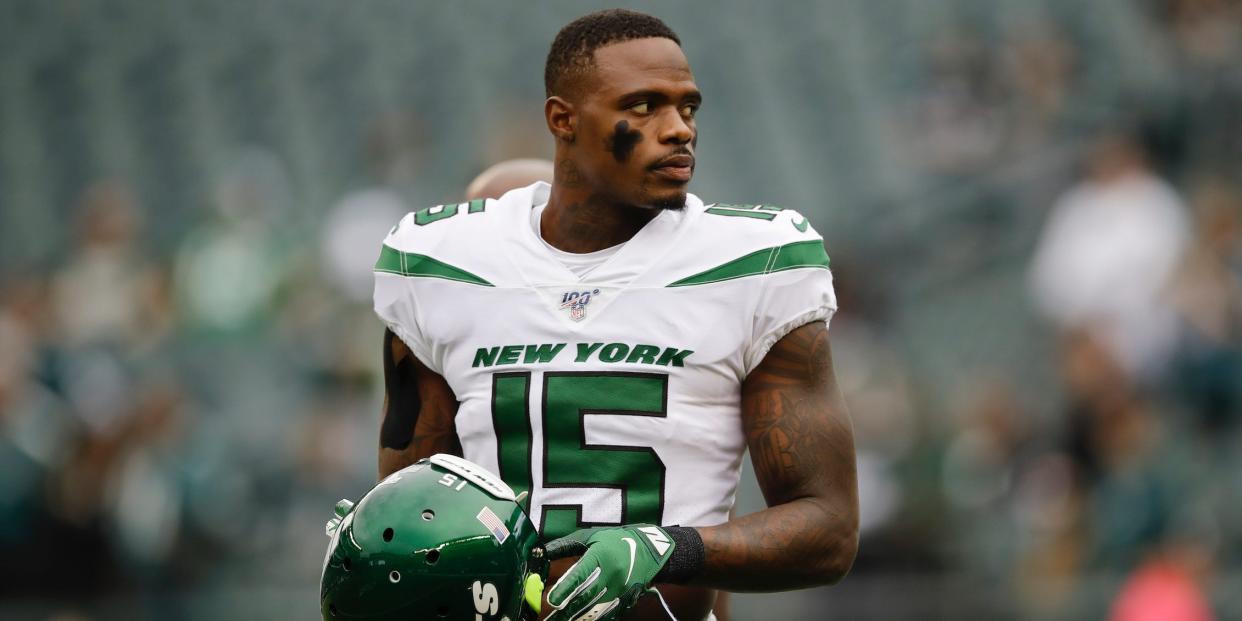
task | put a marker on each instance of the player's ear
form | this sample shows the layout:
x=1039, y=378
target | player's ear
x=561, y=118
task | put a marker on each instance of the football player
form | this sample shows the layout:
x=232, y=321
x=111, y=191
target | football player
x=611, y=345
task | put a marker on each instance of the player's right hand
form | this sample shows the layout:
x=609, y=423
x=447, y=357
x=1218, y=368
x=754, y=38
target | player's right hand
x=617, y=567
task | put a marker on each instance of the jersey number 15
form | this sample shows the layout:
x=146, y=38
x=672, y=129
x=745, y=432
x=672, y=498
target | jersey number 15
x=568, y=460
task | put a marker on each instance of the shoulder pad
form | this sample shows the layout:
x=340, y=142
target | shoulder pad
x=426, y=227
x=770, y=224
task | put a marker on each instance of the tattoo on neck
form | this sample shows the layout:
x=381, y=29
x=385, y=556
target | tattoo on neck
x=568, y=175
x=592, y=225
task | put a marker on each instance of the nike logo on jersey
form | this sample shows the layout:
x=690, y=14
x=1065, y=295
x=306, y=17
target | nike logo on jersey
x=800, y=224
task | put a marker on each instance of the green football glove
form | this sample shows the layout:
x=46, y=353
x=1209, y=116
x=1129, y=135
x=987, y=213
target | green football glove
x=616, y=569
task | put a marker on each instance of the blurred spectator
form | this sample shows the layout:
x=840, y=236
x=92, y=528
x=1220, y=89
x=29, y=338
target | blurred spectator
x=143, y=496
x=36, y=428
x=1038, y=68
x=1207, y=295
x=1096, y=499
x=351, y=237
x=1208, y=32
x=107, y=293
x=1050, y=538
x=1107, y=253
x=40, y=436
x=353, y=229
x=980, y=473
x=979, y=462
x=1205, y=37
x=874, y=383
x=1167, y=587
x=1114, y=437
x=230, y=269
x=955, y=125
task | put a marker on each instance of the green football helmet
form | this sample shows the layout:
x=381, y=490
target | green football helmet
x=441, y=539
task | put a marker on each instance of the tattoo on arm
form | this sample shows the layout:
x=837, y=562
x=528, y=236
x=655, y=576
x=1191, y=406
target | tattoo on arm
x=802, y=448
x=419, y=410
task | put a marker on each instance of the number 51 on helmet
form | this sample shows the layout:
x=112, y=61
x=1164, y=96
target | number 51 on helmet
x=440, y=539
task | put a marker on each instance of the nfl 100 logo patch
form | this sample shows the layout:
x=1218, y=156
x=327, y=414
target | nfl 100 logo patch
x=576, y=302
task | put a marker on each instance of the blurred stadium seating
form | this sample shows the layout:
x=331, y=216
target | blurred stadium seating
x=188, y=370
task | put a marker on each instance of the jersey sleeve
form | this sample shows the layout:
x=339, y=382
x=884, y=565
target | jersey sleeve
x=394, y=297
x=797, y=291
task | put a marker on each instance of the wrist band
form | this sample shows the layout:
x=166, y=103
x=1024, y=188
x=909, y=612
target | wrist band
x=688, y=556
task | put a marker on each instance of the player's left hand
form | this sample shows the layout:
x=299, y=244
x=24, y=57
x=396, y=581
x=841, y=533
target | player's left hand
x=617, y=567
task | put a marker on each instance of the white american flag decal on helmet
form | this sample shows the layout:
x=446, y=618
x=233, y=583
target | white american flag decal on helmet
x=493, y=524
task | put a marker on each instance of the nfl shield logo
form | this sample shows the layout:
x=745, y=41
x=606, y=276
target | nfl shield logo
x=576, y=302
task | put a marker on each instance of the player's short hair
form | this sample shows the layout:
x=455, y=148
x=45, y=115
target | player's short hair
x=573, y=49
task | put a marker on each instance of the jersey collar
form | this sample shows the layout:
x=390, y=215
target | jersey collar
x=540, y=267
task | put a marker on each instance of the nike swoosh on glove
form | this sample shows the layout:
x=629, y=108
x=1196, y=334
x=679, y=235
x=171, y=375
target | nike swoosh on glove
x=616, y=569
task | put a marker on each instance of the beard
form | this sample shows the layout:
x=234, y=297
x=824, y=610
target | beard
x=674, y=202
x=667, y=200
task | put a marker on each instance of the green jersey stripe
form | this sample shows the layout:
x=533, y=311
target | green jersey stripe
x=800, y=254
x=728, y=211
x=393, y=261
x=810, y=254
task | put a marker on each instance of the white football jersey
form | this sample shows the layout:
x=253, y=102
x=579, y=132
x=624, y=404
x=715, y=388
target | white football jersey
x=614, y=398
